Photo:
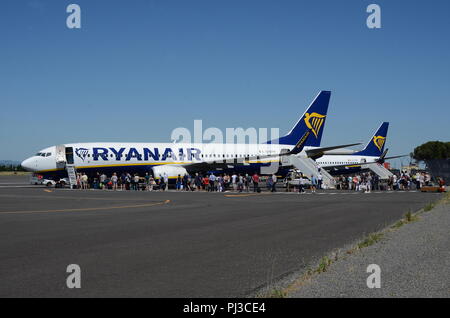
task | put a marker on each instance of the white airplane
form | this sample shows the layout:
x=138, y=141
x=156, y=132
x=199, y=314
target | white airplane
x=372, y=153
x=181, y=158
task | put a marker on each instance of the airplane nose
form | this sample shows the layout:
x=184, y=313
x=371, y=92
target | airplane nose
x=27, y=164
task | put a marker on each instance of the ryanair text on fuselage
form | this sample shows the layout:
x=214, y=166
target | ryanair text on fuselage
x=146, y=154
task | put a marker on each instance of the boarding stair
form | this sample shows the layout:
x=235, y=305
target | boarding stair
x=71, y=171
x=378, y=169
x=308, y=167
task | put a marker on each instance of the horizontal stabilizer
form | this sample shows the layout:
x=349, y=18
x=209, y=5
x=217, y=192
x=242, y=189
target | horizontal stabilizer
x=319, y=151
x=394, y=157
x=383, y=156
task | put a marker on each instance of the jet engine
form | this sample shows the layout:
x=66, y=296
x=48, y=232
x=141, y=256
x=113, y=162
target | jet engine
x=171, y=171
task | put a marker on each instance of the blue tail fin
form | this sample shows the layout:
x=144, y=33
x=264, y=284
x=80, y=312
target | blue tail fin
x=313, y=118
x=375, y=146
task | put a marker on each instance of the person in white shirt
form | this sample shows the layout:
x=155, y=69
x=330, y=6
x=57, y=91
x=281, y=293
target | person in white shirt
x=212, y=182
x=114, y=180
x=136, y=182
x=234, y=181
x=274, y=183
x=368, y=183
x=166, y=181
x=319, y=180
x=84, y=181
x=301, y=183
x=103, y=178
x=422, y=179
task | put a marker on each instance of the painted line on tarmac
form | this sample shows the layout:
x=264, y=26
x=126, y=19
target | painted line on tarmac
x=89, y=209
x=22, y=186
x=244, y=195
x=238, y=195
x=60, y=197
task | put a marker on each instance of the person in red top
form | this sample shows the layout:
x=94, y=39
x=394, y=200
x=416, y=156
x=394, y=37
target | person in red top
x=255, y=180
x=206, y=183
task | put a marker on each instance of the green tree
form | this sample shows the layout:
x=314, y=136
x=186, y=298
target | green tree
x=432, y=150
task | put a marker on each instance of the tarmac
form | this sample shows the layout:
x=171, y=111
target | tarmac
x=176, y=244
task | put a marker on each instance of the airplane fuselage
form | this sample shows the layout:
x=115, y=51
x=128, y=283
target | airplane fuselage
x=334, y=164
x=109, y=157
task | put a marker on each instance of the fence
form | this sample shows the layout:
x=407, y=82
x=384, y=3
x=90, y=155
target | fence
x=439, y=168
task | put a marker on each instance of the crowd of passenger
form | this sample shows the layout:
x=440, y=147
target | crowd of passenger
x=364, y=182
x=402, y=180
x=198, y=182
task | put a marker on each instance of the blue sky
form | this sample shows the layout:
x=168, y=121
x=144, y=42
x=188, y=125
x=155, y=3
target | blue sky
x=138, y=69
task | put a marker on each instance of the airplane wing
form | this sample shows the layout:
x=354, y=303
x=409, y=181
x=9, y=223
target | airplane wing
x=230, y=163
x=318, y=152
x=383, y=156
x=224, y=163
x=396, y=157
x=218, y=164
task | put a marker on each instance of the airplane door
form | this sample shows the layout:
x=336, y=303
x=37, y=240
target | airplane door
x=69, y=155
x=284, y=160
x=60, y=154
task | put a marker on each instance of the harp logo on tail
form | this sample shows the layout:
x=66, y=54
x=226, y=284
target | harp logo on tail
x=314, y=121
x=379, y=141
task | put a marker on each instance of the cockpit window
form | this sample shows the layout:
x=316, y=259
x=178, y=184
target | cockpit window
x=48, y=154
x=38, y=154
x=43, y=154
